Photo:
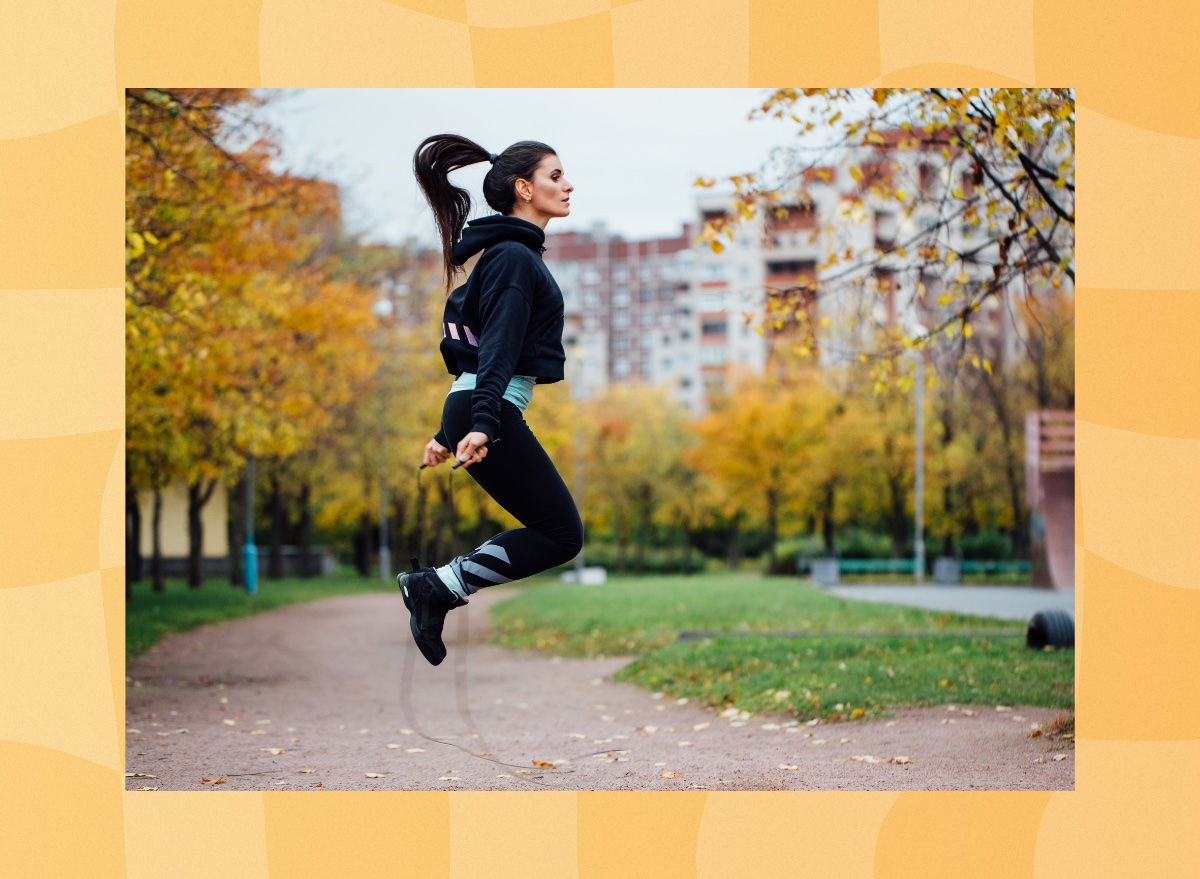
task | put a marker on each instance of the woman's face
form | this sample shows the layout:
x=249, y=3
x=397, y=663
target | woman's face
x=550, y=189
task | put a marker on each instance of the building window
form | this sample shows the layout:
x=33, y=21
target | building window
x=591, y=299
x=645, y=294
x=685, y=382
x=713, y=355
x=621, y=320
x=715, y=327
x=591, y=322
x=647, y=318
x=621, y=366
x=621, y=272
x=621, y=297
x=666, y=363
x=621, y=343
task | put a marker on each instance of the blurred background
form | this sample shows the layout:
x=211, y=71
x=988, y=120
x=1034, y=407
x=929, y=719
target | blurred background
x=803, y=326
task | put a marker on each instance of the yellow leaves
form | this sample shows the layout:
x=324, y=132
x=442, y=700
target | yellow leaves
x=705, y=182
x=900, y=760
x=858, y=712
x=968, y=331
x=947, y=684
x=874, y=137
x=962, y=278
x=666, y=773
x=212, y=780
x=544, y=764
x=274, y=752
x=856, y=173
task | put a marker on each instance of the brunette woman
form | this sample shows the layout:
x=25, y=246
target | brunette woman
x=501, y=336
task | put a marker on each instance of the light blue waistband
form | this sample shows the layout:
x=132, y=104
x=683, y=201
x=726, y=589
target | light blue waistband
x=519, y=391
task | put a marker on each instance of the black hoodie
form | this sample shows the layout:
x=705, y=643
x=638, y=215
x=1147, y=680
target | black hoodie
x=506, y=320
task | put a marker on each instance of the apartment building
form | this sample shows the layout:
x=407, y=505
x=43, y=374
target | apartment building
x=629, y=314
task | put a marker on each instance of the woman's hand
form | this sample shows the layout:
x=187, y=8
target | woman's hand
x=435, y=453
x=472, y=448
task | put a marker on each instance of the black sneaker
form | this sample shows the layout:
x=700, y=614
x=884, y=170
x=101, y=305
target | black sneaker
x=428, y=600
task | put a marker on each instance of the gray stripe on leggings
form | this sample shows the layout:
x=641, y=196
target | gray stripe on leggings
x=484, y=573
x=497, y=551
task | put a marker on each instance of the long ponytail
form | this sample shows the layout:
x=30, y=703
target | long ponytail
x=440, y=154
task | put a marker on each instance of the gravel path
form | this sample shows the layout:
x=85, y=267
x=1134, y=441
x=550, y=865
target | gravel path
x=334, y=695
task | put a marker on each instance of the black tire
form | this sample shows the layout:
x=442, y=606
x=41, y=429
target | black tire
x=1050, y=628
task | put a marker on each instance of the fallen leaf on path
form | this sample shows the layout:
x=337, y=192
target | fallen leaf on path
x=212, y=781
x=306, y=771
x=404, y=732
x=969, y=712
x=700, y=726
x=522, y=772
x=1003, y=708
x=139, y=775
x=817, y=742
x=685, y=744
x=374, y=774
x=502, y=776
x=576, y=735
x=279, y=783
x=865, y=758
x=414, y=750
x=262, y=722
x=667, y=773
x=900, y=760
x=788, y=766
x=275, y=752
x=258, y=732
x=145, y=788
x=1035, y=733
x=1059, y=757
x=174, y=732
x=363, y=732
x=229, y=722
x=542, y=763
x=847, y=741
x=393, y=746
x=769, y=726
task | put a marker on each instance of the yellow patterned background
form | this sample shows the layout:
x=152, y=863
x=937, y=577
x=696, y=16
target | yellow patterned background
x=63, y=811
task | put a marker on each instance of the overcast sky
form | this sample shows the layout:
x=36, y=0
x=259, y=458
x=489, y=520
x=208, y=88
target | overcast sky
x=632, y=154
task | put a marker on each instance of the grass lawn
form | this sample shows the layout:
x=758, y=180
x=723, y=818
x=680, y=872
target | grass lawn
x=150, y=615
x=912, y=657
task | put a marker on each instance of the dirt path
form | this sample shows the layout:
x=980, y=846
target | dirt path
x=337, y=687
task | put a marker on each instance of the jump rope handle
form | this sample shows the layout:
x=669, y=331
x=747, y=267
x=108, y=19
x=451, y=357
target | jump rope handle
x=458, y=464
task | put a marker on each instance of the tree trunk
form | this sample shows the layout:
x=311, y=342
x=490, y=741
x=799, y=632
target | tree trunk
x=362, y=546
x=304, y=532
x=687, y=545
x=198, y=495
x=733, y=544
x=772, y=526
x=237, y=533
x=827, y=510
x=278, y=526
x=133, y=538
x=644, y=511
x=156, y=562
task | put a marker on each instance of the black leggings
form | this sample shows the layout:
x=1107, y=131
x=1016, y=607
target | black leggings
x=519, y=476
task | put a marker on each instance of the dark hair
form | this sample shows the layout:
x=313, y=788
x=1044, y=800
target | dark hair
x=440, y=154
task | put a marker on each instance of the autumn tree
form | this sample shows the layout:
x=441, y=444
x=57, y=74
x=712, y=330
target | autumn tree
x=967, y=193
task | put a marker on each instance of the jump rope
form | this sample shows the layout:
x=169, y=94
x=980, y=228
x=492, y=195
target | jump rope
x=460, y=661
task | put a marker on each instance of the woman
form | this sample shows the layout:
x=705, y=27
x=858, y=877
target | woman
x=501, y=335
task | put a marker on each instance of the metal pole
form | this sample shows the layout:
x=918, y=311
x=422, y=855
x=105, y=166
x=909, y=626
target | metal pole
x=919, y=504
x=249, y=550
x=385, y=552
x=579, y=494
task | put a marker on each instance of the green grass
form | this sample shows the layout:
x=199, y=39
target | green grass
x=929, y=662
x=149, y=615
x=837, y=677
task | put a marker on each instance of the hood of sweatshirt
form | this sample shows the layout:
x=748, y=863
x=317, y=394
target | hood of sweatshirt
x=486, y=231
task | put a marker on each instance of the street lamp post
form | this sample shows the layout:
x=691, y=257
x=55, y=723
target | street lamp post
x=249, y=550
x=383, y=308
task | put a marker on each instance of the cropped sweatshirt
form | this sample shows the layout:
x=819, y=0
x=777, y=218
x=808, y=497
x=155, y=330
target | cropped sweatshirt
x=506, y=319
